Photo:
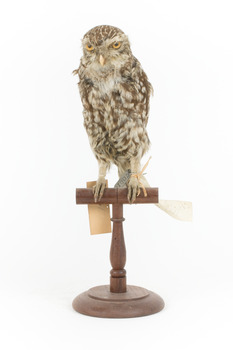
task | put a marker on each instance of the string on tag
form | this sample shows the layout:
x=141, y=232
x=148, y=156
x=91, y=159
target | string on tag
x=138, y=176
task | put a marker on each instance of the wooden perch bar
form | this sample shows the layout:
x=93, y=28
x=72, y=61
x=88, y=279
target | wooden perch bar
x=116, y=196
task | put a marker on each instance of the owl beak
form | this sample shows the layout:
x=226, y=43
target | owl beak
x=102, y=60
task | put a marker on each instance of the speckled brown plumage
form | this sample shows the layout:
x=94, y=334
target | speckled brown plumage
x=115, y=93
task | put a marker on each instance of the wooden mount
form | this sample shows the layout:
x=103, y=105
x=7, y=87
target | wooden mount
x=117, y=300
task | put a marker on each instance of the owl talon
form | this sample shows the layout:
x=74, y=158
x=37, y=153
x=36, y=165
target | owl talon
x=98, y=189
x=133, y=190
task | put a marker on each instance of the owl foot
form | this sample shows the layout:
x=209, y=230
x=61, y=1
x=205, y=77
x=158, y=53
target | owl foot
x=98, y=189
x=133, y=189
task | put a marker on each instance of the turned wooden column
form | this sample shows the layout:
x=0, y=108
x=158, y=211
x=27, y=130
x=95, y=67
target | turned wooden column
x=117, y=252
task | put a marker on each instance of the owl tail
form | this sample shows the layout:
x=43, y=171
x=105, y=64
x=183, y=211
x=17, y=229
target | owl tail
x=180, y=210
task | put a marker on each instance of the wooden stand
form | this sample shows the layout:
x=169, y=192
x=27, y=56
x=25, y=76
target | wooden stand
x=117, y=300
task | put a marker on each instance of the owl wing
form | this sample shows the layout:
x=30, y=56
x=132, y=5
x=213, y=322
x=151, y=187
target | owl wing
x=85, y=85
x=138, y=85
x=144, y=89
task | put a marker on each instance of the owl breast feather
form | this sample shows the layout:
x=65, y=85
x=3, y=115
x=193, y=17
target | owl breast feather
x=115, y=113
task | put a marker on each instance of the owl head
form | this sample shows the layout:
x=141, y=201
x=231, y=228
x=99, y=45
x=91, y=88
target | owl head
x=104, y=47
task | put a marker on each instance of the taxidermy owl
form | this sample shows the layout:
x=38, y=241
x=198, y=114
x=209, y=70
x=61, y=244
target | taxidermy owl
x=115, y=94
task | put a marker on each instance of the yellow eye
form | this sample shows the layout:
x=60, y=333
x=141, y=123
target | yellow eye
x=89, y=47
x=116, y=45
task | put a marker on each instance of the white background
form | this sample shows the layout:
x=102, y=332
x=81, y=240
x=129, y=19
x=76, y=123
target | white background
x=47, y=256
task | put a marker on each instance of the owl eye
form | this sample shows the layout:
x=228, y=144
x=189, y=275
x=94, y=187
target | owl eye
x=89, y=47
x=116, y=45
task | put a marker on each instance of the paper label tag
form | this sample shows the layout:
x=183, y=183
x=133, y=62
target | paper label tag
x=99, y=215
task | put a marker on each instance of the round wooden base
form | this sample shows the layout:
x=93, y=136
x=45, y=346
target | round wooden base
x=100, y=302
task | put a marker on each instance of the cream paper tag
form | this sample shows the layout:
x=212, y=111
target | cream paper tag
x=180, y=210
x=99, y=215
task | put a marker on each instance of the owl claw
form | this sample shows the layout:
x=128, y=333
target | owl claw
x=133, y=189
x=98, y=189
